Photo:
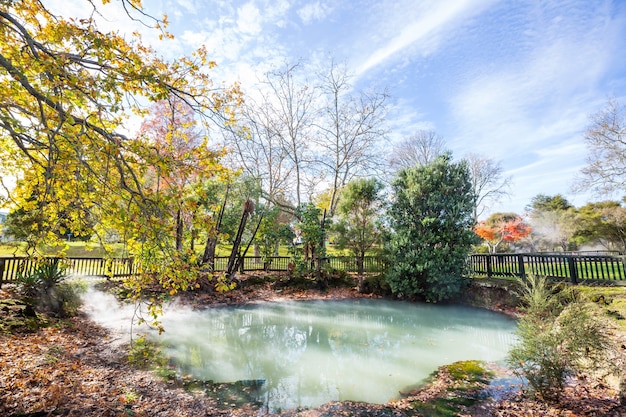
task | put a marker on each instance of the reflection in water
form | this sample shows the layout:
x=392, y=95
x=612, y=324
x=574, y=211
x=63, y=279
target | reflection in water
x=309, y=353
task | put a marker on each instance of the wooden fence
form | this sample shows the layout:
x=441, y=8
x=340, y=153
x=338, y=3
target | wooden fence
x=570, y=267
x=281, y=263
x=10, y=267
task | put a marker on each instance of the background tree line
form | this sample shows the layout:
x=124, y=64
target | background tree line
x=294, y=160
x=552, y=224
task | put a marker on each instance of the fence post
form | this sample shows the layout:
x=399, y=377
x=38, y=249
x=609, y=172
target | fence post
x=1, y=271
x=573, y=271
x=520, y=263
x=489, y=265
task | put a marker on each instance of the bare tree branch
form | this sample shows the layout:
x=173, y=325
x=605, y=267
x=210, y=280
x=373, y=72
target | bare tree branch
x=421, y=148
x=488, y=182
x=605, y=172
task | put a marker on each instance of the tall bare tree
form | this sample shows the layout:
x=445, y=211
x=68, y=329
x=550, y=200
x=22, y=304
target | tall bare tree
x=605, y=172
x=350, y=127
x=302, y=134
x=488, y=182
x=290, y=106
x=275, y=146
x=259, y=151
x=421, y=148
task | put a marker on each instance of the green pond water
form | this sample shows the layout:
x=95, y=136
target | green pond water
x=307, y=353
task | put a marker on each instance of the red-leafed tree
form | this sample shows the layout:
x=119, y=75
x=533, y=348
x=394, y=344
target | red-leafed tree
x=182, y=162
x=502, y=227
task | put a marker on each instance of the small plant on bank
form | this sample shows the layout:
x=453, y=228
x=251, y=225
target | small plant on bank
x=46, y=288
x=560, y=337
x=144, y=354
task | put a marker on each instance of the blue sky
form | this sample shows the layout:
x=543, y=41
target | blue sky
x=515, y=81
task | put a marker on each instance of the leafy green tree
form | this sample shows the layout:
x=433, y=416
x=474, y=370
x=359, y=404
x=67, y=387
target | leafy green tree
x=603, y=223
x=554, y=221
x=358, y=228
x=20, y=224
x=311, y=231
x=431, y=229
x=543, y=202
x=556, y=229
x=274, y=230
x=26, y=225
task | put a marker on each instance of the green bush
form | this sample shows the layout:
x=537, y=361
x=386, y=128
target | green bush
x=46, y=274
x=559, y=337
x=374, y=284
x=430, y=222
x=68, y=297
x=46, y=288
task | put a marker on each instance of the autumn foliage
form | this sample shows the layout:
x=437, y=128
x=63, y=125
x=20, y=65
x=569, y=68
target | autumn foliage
x=502, y=227
x=70, y=93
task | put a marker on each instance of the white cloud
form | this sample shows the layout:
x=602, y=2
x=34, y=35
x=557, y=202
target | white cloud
x=514, y=82
x=404, y=120
x=180, y=8
x=249, y=19
x=550, y=177
x=313, y=11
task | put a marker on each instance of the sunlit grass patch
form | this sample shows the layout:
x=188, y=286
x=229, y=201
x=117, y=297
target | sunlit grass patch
x=612, y=301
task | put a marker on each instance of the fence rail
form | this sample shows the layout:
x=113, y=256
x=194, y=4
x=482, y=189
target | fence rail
x=282, y=263
x=573, y=268
x=10, y=267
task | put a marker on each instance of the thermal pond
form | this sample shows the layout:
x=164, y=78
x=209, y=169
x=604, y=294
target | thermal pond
x=306, y=353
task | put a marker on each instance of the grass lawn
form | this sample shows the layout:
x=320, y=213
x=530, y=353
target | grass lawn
x=586, y=269
x=612, y=300
x=72, y=249
x=89, y=250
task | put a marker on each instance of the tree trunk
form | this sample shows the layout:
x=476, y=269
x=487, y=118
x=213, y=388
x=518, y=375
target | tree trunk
x=179, y=231
x=320, y=253
x=194, y=234
x=208, y=257
x=359, y=263
x=233, y=261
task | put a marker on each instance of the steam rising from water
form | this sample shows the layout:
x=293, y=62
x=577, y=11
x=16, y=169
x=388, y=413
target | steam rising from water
x=307, y=353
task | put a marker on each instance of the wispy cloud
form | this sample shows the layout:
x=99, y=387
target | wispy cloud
x=430, y=20
x=536, y=97
x=311, y=12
